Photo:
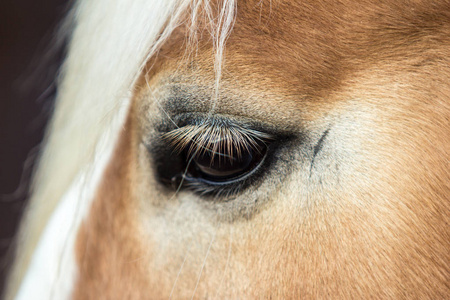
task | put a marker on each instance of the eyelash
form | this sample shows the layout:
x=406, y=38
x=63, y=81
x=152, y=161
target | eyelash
x=201, y=137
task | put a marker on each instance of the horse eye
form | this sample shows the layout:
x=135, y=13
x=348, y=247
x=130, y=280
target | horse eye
x=213, y=159
x=223, y=167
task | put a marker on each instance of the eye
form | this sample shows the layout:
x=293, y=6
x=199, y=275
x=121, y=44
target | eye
x=213, y=158
x=224, y=166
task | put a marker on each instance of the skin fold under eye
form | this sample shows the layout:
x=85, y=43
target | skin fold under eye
x=214, y=157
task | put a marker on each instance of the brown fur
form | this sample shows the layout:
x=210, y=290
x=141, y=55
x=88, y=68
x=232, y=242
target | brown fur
x=371, y=222
x=110, y=225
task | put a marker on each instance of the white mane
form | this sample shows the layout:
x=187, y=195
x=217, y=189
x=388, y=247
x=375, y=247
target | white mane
x=110, y=44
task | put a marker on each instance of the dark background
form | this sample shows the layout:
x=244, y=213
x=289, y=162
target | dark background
x=29, y=61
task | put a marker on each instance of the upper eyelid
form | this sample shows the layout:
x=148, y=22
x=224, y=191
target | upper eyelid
x=198, y=118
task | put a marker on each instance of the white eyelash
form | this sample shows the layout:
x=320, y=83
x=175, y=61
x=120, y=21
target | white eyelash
x=218, y=139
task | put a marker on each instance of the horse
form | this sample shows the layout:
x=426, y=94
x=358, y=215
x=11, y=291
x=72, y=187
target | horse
x=245, y=149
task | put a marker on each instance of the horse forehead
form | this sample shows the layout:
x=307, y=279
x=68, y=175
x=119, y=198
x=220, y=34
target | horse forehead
x=309, y=47
x=315, y=45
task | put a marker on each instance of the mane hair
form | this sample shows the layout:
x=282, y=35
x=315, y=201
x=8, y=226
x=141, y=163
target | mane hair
x=111, y=41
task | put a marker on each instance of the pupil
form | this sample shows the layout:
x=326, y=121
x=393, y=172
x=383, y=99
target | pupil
x=221, y=167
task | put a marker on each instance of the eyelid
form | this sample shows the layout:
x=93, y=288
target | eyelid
x=199, y=118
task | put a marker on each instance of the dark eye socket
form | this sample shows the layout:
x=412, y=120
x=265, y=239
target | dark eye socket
x=220, y=167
